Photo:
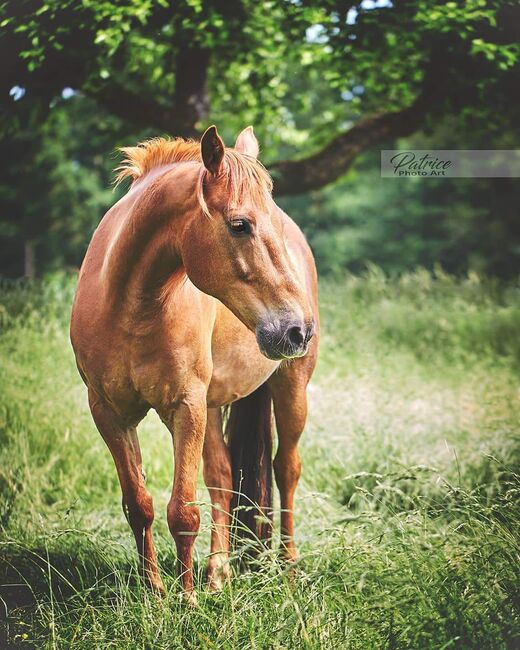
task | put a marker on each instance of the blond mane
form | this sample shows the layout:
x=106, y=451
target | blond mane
x=245, y=176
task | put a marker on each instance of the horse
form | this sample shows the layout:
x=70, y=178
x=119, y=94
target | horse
x=198, y=294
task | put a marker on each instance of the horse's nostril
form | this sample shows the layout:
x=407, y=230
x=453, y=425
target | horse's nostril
x=295, y=335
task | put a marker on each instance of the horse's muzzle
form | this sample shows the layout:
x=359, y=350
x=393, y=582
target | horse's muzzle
x=284, y=338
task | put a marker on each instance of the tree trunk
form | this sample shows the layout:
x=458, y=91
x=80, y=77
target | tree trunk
x=29, y=266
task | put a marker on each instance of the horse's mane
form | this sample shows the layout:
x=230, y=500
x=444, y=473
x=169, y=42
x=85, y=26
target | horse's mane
x=245, y=175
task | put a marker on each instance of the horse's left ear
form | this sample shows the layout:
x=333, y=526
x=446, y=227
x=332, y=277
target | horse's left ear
x=247, y=142
x=212, y=150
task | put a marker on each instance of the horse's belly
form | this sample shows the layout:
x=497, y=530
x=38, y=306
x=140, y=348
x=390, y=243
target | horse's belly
x=238, y=365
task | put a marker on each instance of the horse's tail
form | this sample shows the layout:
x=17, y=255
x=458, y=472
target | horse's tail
x=250, y=440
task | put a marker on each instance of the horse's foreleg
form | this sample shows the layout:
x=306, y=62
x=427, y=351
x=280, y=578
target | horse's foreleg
x=137, y=501
x=187, y=425
x=290, y=408
x=217, y=476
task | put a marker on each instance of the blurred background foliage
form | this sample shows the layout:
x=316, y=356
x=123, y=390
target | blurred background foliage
x=326, y=83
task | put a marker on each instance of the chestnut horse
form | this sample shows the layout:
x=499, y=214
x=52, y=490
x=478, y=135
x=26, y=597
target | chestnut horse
x=197, y=291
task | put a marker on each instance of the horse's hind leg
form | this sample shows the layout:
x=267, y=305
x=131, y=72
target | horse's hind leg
x=137, y=501
x=217, y=476
x=288, y=387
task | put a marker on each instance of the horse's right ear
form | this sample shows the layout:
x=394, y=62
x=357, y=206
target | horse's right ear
x=247, y=142
x=212, y=150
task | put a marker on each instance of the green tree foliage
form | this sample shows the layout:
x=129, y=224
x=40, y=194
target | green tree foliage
x=55, y=186
x=462, y=224
x=322, y=81
x=168, y=64
x=459, y=224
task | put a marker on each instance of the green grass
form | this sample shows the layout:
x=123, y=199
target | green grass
x=407, y=512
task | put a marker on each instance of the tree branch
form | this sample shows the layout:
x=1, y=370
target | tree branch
x=327, y=165
x=191, y=101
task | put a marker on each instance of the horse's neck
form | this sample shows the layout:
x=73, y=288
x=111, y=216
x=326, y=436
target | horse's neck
x=143, y=249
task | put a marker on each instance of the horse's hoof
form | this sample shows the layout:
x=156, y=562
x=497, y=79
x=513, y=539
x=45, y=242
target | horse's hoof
x=156, y=587
x=218, y=575
x=289, y=555
x=189, y=598
x=217, y=581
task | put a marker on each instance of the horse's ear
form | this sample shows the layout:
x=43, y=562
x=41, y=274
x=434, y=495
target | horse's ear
x=247, y=142
x=212, y=150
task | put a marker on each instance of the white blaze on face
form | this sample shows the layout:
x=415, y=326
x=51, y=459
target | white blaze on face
x=298, y=272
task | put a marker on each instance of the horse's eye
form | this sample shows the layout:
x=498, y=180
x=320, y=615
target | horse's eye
x=240, y=226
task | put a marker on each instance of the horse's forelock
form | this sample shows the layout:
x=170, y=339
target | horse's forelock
x=246, y=179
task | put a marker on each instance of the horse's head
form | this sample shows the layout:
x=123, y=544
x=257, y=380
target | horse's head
x=236, y=250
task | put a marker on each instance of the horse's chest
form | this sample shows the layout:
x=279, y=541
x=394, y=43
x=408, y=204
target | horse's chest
x=238, y=368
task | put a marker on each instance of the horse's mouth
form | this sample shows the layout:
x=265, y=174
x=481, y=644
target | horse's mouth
x=282, y=355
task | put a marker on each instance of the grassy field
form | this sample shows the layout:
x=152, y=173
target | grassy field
x=407, y=512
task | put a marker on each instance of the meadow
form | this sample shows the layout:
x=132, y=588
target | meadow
x=407, y=511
